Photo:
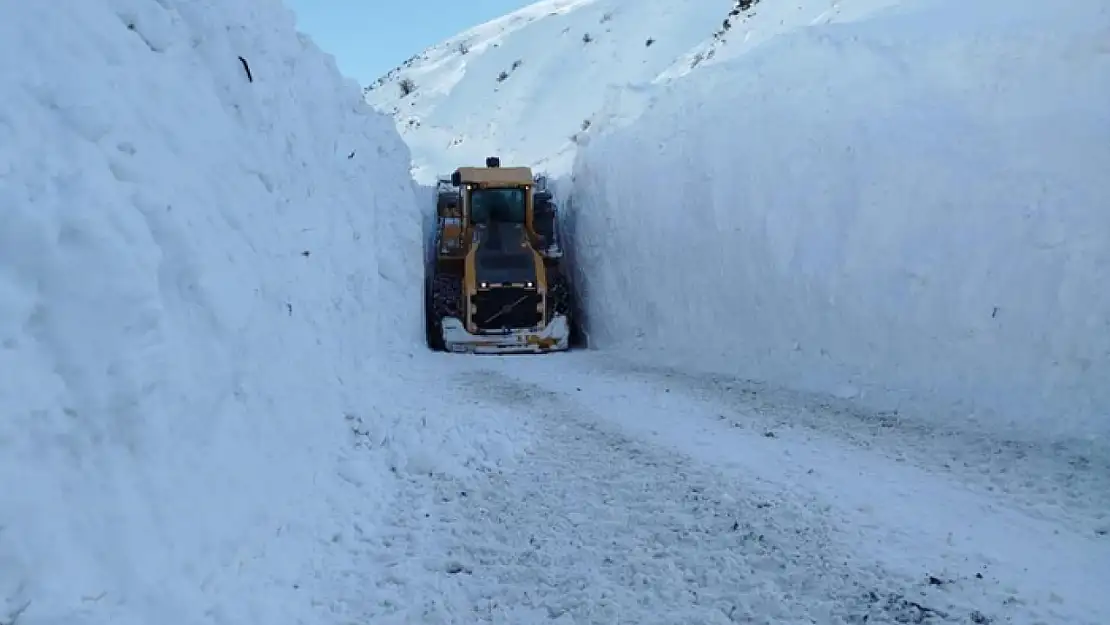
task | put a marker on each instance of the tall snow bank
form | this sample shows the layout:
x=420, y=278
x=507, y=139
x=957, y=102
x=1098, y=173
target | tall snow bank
x=913, y=208
x=203, y=280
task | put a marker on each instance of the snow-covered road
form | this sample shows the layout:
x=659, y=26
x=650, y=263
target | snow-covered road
x=650, y=496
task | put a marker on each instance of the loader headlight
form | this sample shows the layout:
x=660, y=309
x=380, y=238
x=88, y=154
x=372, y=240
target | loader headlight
x=484, y=285
x=529, y=285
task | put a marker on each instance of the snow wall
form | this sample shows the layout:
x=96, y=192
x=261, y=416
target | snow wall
x=913, y=210
x=203, y=280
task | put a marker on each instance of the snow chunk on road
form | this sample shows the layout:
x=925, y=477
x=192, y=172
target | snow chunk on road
x=203, y=282
x=912, y=207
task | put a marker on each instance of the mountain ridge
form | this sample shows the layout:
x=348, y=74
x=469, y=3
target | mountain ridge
x=535, y=83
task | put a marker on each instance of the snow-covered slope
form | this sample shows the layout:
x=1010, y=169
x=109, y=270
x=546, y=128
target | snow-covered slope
x=203, y=281
x=532, y=85
x=911, y=207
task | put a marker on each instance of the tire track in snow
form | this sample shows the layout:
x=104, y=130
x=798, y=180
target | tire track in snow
x=1067, y=481
x=595, y=527
x=878, y=509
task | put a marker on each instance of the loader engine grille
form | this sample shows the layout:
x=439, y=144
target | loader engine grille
x=503, y=308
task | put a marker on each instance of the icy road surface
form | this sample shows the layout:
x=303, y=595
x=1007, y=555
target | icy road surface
x=653, y=497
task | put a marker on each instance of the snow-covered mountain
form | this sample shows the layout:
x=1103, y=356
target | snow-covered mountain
x=534, y=84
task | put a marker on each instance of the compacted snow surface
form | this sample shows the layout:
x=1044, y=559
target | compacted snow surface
x=216, y=406
x=653, y=496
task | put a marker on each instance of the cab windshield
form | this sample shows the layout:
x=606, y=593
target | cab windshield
x=501, y=205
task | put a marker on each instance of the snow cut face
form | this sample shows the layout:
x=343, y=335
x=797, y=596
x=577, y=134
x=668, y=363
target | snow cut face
x=203, y=274
x=903, y=208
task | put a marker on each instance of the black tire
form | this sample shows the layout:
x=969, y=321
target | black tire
x=444, y=299
x=431, y=337
x=564, y=302
x=559, y=291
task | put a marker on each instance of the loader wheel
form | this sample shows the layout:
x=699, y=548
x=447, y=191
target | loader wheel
x=560, y=294
x=563, y=303
x=444, y=300
x=431, y=335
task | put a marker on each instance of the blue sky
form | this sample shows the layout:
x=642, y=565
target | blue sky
x=370, y=37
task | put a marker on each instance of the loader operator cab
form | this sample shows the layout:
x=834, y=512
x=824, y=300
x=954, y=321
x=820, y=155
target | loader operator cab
x=505, y=205
x=493, y=194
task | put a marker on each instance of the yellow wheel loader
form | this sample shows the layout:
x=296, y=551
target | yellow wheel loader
x=494, y=279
